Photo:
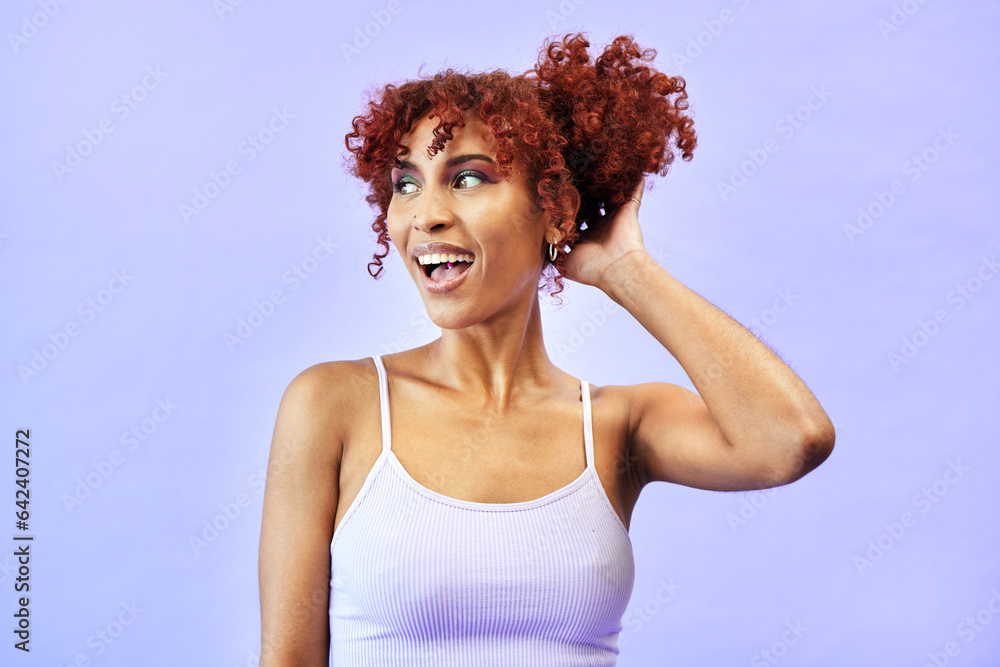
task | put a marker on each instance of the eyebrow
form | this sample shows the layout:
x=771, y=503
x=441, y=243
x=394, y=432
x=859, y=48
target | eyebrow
x=451, y=162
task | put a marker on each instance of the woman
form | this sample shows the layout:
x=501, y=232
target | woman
x=457, y=528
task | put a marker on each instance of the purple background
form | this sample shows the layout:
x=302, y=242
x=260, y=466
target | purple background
x=741, y=568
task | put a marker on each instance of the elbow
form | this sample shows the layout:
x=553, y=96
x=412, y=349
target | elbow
x=792, y=460
x=814, y=447
x=800, y=456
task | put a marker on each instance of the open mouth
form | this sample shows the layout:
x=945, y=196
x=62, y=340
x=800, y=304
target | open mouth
x=444, y=268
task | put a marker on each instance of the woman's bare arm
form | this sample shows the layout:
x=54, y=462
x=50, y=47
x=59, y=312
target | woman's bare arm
x=755, y=424
x=300, y=503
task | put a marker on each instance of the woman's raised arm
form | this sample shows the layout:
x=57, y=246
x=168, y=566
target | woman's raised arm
x=755, y=424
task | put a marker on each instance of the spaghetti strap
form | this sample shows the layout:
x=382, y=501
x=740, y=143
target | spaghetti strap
x=383, y=398
x=588, y=426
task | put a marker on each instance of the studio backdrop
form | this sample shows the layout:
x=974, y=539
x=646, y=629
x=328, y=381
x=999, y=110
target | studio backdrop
x=179, y=238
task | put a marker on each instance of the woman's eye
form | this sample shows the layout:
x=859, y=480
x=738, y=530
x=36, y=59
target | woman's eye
x=467, y=179
x=404, y=185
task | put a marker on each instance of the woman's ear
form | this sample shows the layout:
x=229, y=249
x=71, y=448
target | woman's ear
x=574, y=201
x=559, y=228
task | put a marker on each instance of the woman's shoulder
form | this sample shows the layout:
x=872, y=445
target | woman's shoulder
x=351, y=382
x=611, y=406
x=327, y=381
x=332, y=389
x=320, y=408
x=610, y=394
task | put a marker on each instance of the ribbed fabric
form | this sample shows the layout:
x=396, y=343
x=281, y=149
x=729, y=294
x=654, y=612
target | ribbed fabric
x=419, y=578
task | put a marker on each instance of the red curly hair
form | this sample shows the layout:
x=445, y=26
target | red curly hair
x=597, y=126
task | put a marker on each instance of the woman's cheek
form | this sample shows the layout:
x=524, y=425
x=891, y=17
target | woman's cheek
x=395, y=234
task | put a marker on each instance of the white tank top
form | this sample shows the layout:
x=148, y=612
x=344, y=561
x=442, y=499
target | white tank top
x=419, y=578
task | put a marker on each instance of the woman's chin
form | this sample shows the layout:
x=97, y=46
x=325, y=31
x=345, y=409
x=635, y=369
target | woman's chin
x=445, y=317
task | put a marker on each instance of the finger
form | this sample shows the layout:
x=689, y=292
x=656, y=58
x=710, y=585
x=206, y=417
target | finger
x=640, y=186
x=636, y=197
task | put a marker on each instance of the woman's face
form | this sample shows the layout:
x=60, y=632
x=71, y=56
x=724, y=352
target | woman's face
x=458, y=198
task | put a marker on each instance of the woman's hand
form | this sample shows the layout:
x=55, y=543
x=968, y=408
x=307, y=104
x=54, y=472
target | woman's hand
x=590, y=260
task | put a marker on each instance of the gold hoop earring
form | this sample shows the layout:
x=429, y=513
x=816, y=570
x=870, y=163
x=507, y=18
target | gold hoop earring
x=553, y=252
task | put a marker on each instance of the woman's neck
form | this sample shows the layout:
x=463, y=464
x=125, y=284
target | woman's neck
x=497, y=359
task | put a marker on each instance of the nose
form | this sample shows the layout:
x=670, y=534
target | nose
x=433, y=211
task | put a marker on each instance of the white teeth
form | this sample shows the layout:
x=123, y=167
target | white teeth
x=441, y=258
